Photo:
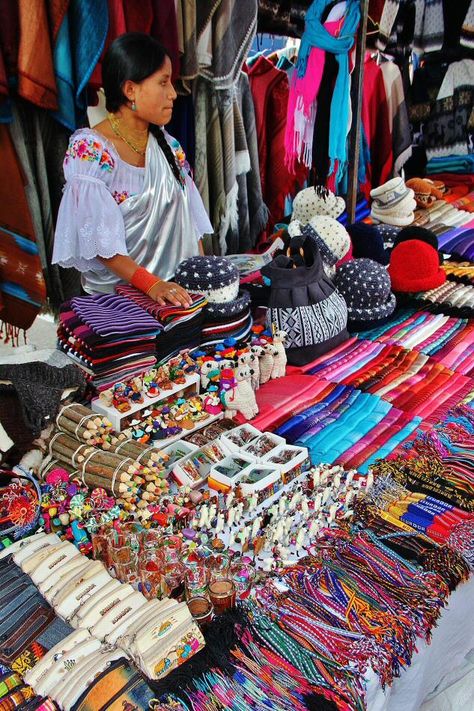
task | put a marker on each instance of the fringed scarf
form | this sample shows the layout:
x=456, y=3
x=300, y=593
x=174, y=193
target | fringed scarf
x=318, y=39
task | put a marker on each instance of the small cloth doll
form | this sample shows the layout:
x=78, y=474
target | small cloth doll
x=212, y=404
x=120, y=400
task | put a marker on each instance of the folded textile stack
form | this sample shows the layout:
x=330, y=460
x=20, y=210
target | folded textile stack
x=466, y=202
x=227, y=314
x=168, y=316
x=181, y=325
x=238, y=327
x=451, y=164
x=461, y=272
x=393, y=203
x=445, y=213
x=409, y=380
x=108, y=336
x=457, y=240
x=24, y=608
x=446, y=339
x=346, y=426
x=449, y=298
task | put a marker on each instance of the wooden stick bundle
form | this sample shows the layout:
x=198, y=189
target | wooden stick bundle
x=83, y=424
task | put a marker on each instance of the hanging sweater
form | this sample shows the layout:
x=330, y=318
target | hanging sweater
x=439, y=24
x=451, y=124
x=397, y=115
x=430, y=23
x=270, y=90
x=375, y=118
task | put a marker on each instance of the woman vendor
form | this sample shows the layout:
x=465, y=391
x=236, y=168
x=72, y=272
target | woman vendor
x=130, y=212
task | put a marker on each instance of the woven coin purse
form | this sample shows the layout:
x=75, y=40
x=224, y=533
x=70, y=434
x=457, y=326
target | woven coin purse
x=20, y=498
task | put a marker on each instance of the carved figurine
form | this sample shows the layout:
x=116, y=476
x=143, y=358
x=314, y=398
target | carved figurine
x=280, y=359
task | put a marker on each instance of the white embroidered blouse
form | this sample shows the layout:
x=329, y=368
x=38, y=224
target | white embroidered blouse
x=90, y=222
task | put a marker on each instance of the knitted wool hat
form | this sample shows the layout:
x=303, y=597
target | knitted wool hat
x=365, y=285
x=229, y=309
x=387, y=232
x=316, y=201
x=393, y=203
x=218, y=279
x=425, y=191
x=331, y=238
x=414, y=266
x=333, y=233
x=368, y=242
x=420, y=233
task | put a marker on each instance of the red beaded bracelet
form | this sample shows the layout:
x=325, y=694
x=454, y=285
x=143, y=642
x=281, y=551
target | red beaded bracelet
x=145, y=281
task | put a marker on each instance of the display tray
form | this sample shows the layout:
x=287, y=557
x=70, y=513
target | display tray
x=162, y=443
x=116, y=418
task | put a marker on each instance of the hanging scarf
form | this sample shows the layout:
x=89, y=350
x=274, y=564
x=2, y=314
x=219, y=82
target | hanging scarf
x=305, y=85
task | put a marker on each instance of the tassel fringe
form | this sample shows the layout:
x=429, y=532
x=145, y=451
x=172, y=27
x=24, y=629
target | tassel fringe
x=11, y=334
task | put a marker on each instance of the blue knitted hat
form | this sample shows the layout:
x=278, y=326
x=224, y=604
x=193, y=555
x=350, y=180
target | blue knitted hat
x=368, y=242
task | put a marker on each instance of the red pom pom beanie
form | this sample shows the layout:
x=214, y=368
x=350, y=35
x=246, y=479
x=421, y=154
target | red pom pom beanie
x=414, y=266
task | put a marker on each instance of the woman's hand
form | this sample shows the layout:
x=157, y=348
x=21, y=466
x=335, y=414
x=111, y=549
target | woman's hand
x=168, y=292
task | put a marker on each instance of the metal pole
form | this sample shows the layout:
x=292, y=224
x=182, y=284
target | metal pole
x=356, y=99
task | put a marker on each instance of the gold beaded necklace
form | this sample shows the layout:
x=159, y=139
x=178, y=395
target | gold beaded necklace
x=137, y=143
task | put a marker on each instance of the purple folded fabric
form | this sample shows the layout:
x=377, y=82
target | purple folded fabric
x=451, y=236
x=110, y=314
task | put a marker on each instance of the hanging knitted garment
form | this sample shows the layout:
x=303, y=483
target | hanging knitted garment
x=302, y=105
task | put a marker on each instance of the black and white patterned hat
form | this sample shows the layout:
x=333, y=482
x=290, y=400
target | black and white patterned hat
x=218, y=280
x=366, y=287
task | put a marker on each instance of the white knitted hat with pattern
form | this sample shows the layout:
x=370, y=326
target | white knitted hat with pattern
x=316, y=201
x=393, y=203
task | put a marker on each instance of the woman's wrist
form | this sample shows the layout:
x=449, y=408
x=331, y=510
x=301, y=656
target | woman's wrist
x=144, y=280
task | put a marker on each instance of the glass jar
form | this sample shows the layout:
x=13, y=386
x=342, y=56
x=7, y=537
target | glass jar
x=171, y=547
x=242, y=575
x=218, y=565
x=222, y=595
x=152, y=581
x=202, y=610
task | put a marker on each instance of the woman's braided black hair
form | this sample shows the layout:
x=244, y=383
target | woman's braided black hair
x=167, y=150
x=135, y=56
